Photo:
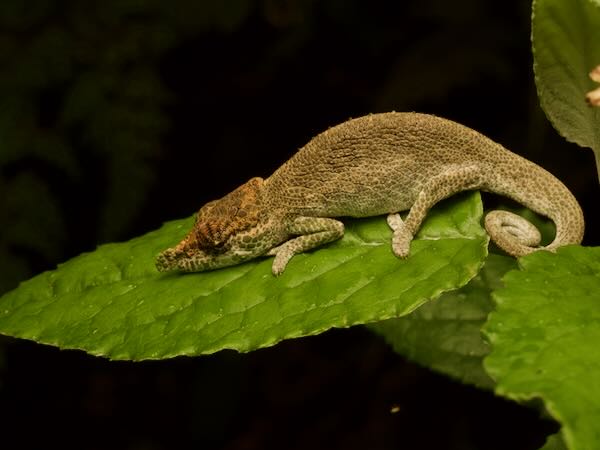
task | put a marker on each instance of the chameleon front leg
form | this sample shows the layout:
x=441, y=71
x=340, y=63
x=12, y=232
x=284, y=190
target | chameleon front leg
x=313, y=231
x=452, y=180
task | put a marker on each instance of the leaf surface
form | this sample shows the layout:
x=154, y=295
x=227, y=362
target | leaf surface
x=566, y=47
x=554, y=442
x=445, y=334
x=112, y=302
x=545, y=334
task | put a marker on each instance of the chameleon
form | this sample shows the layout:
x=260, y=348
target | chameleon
x=377, y=164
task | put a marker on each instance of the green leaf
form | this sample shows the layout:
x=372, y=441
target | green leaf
x=445, y=334
x=114, y=303
x=566, y=47
x=554, y=442
x=545, y=334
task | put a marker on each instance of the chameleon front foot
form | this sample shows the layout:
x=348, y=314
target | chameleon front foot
x=313, y=232
x=283, y=254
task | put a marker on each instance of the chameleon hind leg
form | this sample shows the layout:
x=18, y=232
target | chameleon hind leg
x=313, y=231
x=452, y=180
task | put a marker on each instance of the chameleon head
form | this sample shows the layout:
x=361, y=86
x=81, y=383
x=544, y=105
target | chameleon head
x=189, y=256
x=226, y=232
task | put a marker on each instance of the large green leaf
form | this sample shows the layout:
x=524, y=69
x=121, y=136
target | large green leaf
x=113, y=302
x=445, y=334
x=545, y=334
x=566, y=47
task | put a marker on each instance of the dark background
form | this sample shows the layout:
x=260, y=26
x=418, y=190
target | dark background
x=116, y=116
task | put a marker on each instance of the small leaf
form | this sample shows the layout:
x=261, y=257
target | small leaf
x=445, y=334
x=114, y=303
x=554, y=442
x=566, y=47
x=545, y=334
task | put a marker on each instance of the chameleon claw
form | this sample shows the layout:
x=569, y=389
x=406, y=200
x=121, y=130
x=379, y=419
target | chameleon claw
x=401, y=242
x=280, y=263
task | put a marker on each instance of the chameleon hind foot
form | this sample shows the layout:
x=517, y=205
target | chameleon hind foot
x=402, y=236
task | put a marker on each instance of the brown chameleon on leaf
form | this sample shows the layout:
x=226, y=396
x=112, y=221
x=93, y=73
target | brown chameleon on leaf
x=377, y=164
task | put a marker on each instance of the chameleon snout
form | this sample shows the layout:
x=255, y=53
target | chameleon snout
x=194, y=260
x=176, y=259
x=166, y=260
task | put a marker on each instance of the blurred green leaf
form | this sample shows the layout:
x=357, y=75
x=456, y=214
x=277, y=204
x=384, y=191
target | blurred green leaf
x=207, y=16
x=81, y=100
x=113, y=303
x=545, y=333
x=31, y=225
x=554, y=442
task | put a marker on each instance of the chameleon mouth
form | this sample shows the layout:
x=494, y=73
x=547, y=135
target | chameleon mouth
x=174, y=259
x=187, y=261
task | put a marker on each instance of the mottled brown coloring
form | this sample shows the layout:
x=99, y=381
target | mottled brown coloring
x=372, y=165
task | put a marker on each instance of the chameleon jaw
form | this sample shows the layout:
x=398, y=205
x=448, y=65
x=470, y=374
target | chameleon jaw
x=198, y=260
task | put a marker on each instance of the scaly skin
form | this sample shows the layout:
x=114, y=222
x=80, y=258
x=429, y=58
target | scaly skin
x=377, y=164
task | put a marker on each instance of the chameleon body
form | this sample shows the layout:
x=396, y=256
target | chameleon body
x=376, y=164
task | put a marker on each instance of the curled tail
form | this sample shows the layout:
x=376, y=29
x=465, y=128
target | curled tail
x=541, y=192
